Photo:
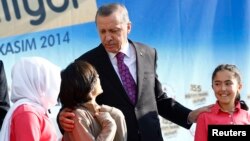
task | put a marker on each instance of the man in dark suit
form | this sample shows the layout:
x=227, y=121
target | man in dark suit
x=4, y=97
x=142, y=119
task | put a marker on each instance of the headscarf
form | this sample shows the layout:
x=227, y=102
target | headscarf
x=35, y=81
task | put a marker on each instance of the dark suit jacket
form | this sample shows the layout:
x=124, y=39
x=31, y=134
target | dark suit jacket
x=142, y=119
x=4, y=97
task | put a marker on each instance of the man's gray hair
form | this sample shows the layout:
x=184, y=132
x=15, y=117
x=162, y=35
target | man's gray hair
x=108, y=9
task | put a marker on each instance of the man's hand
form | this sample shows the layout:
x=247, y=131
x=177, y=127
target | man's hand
x=193, y=115
x=65, y=119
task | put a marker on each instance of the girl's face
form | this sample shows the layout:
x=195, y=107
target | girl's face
x=226, y=87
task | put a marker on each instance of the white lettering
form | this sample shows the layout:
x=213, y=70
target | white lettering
x=216, y=132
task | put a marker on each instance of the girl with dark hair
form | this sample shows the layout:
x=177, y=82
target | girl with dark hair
x=228, y=109
x=80, y=86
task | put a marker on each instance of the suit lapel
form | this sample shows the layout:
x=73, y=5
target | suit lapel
x=139, y=67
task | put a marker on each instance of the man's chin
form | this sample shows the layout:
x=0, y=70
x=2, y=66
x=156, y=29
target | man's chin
x=112, y=50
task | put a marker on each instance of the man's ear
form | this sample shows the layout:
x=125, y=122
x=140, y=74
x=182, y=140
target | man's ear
x=129, y=26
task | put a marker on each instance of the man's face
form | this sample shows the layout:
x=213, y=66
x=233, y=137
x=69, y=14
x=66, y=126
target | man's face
x=113, y=31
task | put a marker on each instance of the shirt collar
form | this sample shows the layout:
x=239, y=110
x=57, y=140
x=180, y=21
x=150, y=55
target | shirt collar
x=124, y=49
x=217, y=108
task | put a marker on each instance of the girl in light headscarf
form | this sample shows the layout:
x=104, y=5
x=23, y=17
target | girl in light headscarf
x=35, y=88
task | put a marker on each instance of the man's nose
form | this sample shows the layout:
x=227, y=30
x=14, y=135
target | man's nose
x=108, y=37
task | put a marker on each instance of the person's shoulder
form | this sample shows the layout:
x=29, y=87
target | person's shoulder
x=204, y=114
x=112, y=110
x=108, y=108
x=246, y=112
x=214, y=109
x=91, y=53
x=143, y=47
x=1, y=63
x=82, y=112
x=140, y=44
x=26, y=109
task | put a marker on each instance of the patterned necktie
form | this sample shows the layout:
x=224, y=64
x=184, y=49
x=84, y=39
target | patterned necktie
x=126, y=77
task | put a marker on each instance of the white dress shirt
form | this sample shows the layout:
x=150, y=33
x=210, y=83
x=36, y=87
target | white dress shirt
x=129, y=59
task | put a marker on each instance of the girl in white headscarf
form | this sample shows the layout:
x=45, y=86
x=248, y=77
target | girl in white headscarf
x=35, y=88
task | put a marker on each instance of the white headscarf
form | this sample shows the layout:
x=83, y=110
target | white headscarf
x=35, y=81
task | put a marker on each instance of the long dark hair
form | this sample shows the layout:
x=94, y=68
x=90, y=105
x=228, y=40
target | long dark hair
x=235, y=70
x=78, y=79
